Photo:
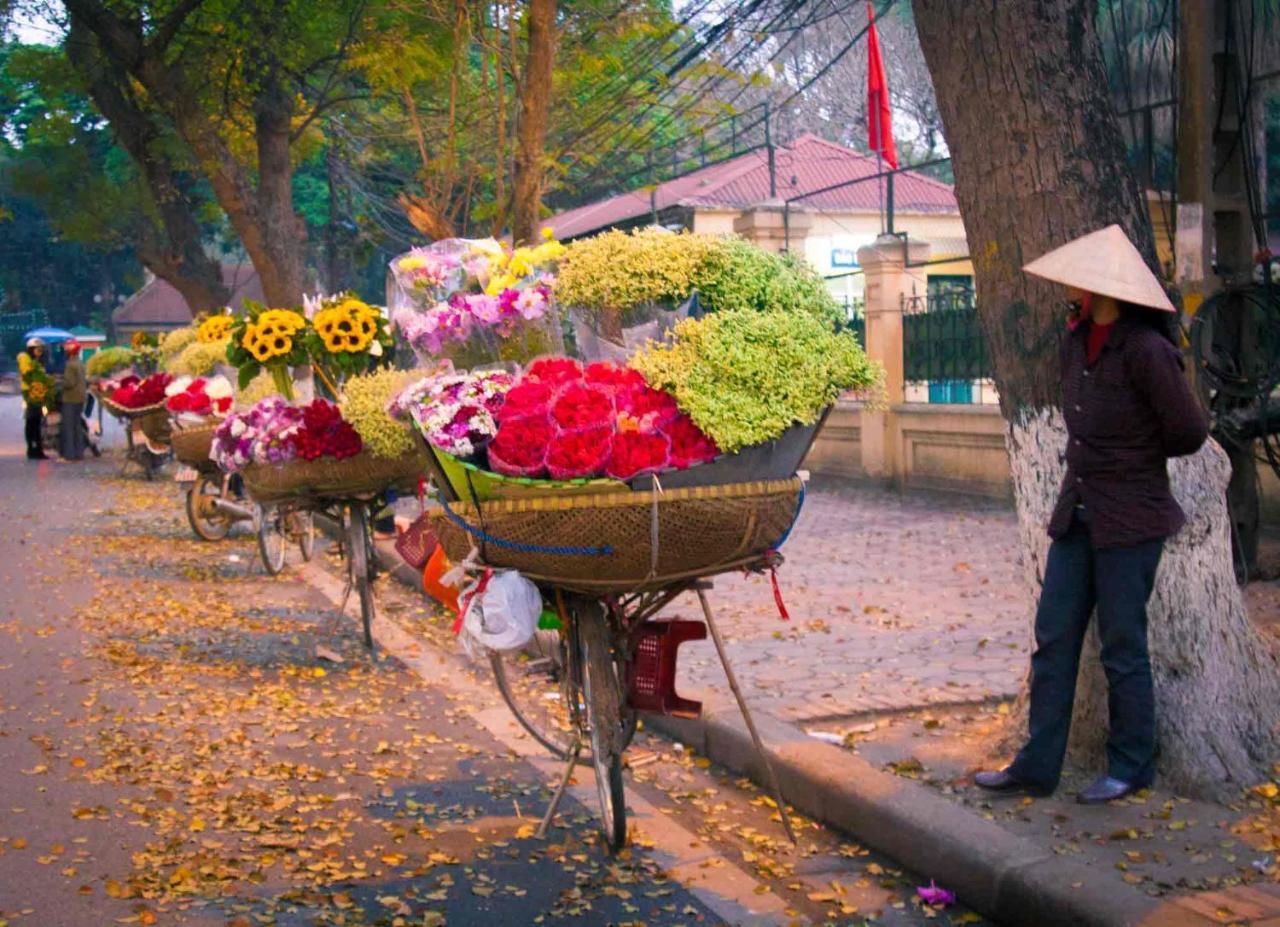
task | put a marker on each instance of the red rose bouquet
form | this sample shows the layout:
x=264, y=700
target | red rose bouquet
x=613, y=378
x=646, y=408
x=578, y=406
x=633, y=453
x=554, y=371
x=325, y=431
x=689, y=444
x=520, y=447
x=527, y=398
x=196, y=398
x=578, y=454
x=141, y=393
x=574, y=423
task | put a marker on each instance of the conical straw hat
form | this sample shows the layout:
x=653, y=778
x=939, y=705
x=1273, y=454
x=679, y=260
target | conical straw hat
x=1104, y=262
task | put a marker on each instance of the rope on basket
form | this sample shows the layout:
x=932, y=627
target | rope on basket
x=772, y=556
x=484, y=536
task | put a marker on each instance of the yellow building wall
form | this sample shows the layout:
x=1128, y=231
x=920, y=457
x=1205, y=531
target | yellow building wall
x=832, y=232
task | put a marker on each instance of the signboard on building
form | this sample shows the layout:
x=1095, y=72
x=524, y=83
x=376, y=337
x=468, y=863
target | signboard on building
x=844, y=257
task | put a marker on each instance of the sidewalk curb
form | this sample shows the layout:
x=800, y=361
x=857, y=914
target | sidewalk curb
x=1004, y=877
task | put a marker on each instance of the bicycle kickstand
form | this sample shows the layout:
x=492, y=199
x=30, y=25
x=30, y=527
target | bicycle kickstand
x=746, y=713
x=574, y=750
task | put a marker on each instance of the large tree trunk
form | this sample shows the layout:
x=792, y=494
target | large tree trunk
x=175, y=251
x=535, y=107
x=262, y=214
x=1039, y=160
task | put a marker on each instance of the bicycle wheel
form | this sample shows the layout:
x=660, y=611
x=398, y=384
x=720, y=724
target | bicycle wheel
x=302, y=527
x=270, y=539
x=358, y=544
x=531, y=682
x=605, y=702
x=202, y=512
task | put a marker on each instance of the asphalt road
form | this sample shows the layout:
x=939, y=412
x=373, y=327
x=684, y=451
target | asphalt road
x=187, y=741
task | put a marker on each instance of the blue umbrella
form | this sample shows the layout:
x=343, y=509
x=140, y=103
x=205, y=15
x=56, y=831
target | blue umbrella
x=48, y=335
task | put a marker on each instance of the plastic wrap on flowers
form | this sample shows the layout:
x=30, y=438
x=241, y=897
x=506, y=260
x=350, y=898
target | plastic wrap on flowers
x=613, y=337
x=476, y=302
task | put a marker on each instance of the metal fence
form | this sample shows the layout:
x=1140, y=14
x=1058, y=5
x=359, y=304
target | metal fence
x=943, y=343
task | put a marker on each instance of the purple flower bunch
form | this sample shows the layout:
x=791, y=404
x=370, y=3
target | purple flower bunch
x=454, y=411
x=458, y=317
x=262, y=434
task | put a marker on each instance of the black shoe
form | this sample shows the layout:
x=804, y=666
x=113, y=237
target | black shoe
x=37, y=455
x=1001, y=780
x=1105, y=789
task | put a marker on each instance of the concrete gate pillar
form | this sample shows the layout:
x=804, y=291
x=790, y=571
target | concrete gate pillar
x=887, y=286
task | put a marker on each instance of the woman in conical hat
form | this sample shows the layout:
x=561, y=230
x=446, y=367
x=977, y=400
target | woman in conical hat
x=1128, y=408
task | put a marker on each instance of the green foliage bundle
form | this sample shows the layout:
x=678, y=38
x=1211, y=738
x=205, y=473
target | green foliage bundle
x=616, y=271
x=364, y=404
x=745, y=377
x=737, y=274
x=199, y=358
x=108, y=361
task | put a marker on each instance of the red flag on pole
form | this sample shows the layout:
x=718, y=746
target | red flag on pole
x=879, y=119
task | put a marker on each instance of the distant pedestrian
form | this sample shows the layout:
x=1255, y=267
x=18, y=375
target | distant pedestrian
x=36, y=391
x=74, y=391
x=1128, y=407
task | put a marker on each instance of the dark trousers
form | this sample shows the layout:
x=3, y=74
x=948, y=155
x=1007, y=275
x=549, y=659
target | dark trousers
x=72, y=431
x=34, y=422
x=1118, y=580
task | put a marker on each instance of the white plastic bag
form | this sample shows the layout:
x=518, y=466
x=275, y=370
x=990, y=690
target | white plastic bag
x=504, y=614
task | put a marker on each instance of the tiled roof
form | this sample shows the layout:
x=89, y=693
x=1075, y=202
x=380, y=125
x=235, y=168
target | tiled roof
x=807, y=164
x=159, y=305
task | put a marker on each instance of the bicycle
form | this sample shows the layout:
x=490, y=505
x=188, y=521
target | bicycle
x=362, y=559
x=279, y=525
x=580, y=687
x=213, y=502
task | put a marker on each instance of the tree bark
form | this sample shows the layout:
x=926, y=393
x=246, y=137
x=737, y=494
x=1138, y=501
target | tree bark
x=1039, y=159
x=535, y=107
x=175, y=250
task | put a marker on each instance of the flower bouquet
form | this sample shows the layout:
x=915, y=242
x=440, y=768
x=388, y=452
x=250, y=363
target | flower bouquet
x=267, y=339
x=132, y=395
x=285, y=451
x=477, y=302
x=559, y=424
x=196, y=407
x=346, y=337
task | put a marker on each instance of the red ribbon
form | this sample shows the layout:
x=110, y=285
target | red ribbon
x=777, y=594
x=465, y=602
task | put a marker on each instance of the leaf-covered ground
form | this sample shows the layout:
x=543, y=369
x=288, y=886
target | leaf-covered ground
x=188, y=741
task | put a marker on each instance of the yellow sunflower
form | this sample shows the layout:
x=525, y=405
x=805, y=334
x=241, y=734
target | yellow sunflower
x=349, y=326
x=214, y=328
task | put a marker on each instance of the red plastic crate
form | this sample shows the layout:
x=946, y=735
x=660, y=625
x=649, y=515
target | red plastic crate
x=651, y=675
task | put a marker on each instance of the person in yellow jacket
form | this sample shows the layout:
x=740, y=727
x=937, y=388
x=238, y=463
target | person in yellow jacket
x=37, y=389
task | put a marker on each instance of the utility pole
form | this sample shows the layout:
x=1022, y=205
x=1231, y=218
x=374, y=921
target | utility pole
x=1214, y=243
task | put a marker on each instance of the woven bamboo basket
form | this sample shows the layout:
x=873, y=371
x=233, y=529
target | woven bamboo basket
x=605, y=543
x=125, y=412
x=155, y=425
x=191, y=445
x=329, y=478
